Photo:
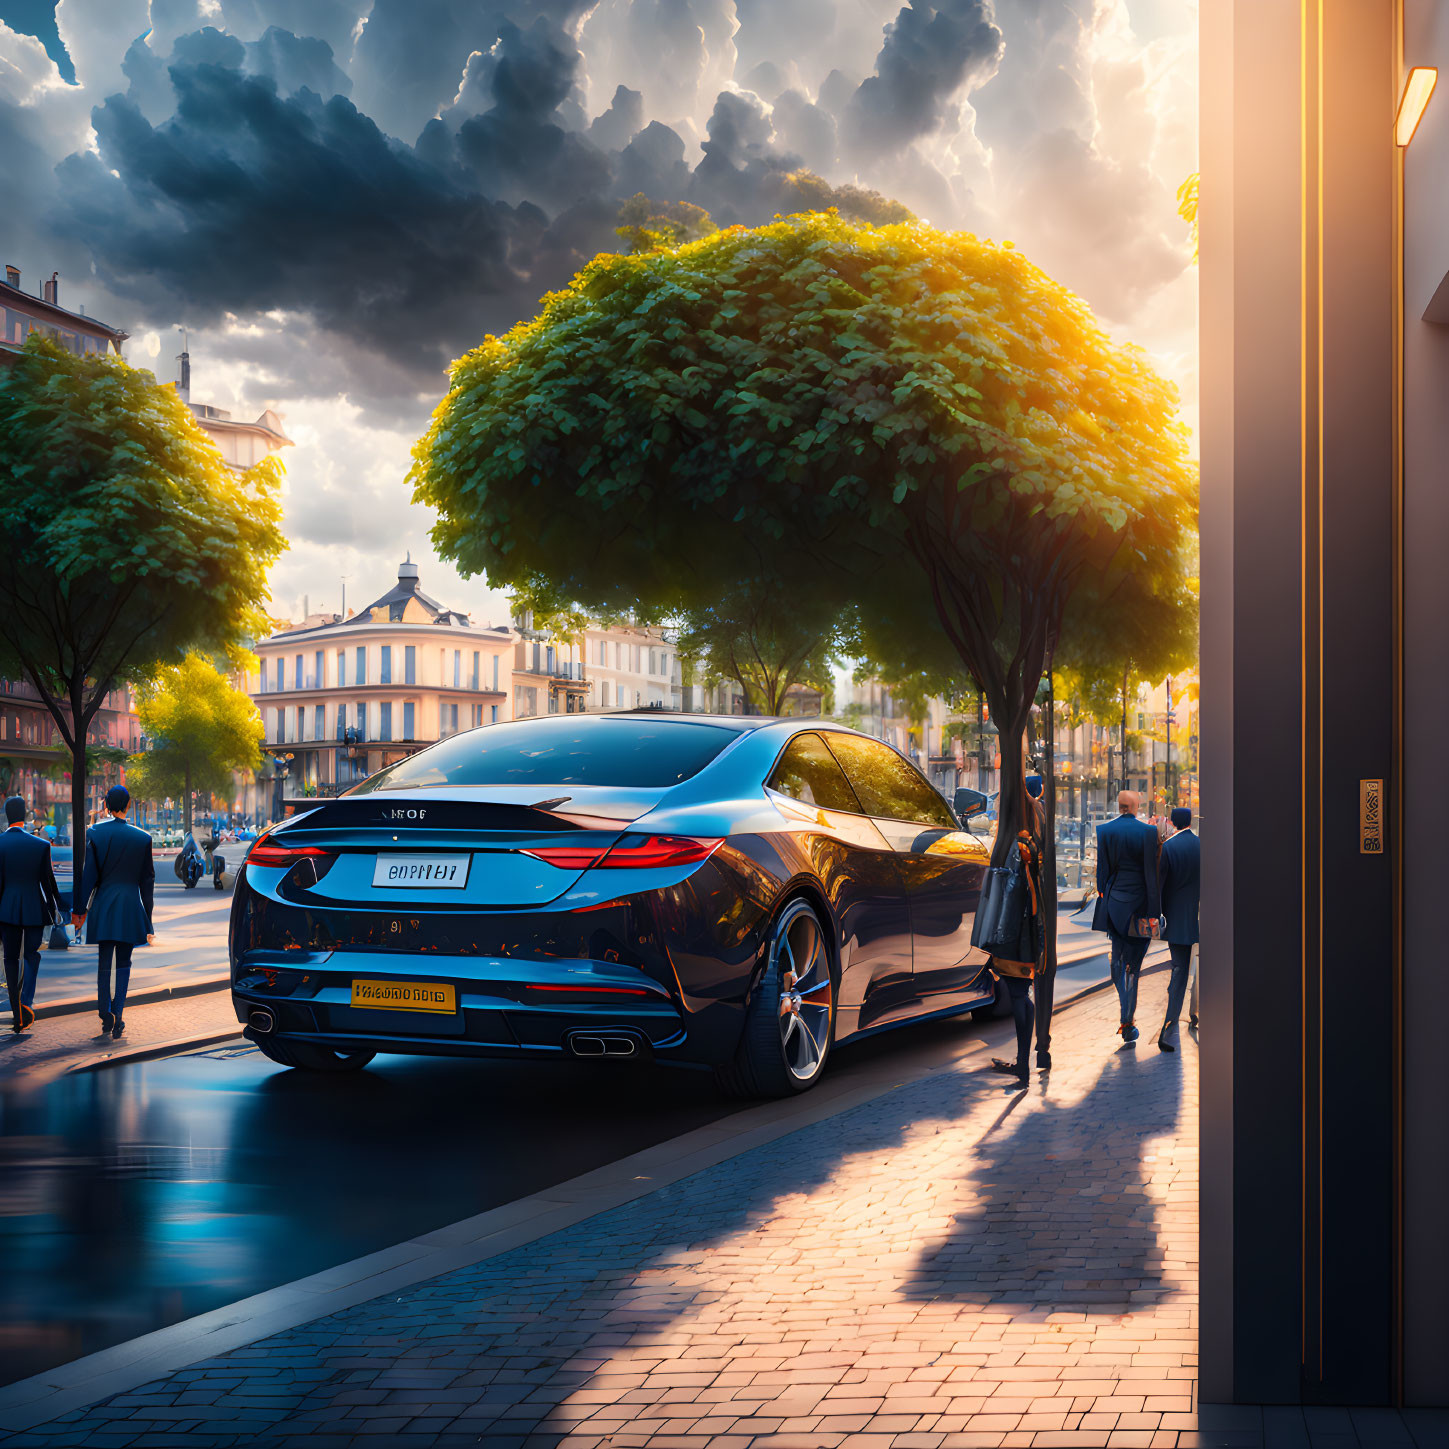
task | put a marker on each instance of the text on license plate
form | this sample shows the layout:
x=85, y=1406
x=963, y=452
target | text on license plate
x=445, y=872
x=405, y=995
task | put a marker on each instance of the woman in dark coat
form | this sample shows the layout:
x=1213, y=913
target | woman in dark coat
x=116, y=896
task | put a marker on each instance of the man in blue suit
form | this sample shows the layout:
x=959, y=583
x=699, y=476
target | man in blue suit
x=29, y=901
x=1127, y=900
x=121, y=876
x=1181, y=876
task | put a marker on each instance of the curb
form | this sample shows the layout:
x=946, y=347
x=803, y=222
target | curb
x=175, y=1046
x=196, y=986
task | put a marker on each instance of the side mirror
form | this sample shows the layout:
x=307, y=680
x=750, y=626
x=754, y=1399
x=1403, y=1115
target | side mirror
x=969, y=802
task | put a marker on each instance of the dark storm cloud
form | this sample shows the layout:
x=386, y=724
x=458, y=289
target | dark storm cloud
x=297, y=62
x=410, y=56
x=331, y=20
x=246, y=200
x=616, y=127
x=931, y=51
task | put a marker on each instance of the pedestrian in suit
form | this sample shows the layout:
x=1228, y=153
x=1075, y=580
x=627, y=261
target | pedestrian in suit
x=29, y=901
x=1181, y=878
x=1127, y=900
x=116, y=892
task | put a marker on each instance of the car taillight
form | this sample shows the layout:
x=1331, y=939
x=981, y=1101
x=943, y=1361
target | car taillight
x=266, y=852
x=638, y=852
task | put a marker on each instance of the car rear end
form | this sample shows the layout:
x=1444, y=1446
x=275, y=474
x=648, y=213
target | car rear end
x=500, y=920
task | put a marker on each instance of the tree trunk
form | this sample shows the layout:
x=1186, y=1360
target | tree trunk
x=78, y=785
x=1046, y=983
x=186, y=806
x=1126, y=669
x=1010, y=812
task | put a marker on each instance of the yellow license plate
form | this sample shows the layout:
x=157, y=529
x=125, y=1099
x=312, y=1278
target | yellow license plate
x=405, y=995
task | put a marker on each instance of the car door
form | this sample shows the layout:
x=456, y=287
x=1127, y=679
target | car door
x=942, y=866
x=858, y=870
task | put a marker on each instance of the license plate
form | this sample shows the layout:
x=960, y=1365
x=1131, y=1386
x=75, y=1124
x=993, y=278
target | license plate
x=432, y=872
x=405, y=995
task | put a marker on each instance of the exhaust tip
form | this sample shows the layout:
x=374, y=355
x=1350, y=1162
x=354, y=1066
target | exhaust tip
x=602, y=1044
x=262, y=1022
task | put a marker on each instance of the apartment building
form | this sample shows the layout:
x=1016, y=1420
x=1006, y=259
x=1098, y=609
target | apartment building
x=631, y=666
x=346, y=696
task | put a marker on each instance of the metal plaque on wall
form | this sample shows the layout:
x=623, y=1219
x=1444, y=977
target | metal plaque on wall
x=1371, y=817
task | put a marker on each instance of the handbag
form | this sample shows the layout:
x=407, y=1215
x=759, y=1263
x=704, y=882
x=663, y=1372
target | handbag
x=1005, y=925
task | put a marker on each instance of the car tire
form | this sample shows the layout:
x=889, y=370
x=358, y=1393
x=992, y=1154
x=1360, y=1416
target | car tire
x=790, y=1021
x=310, y=1057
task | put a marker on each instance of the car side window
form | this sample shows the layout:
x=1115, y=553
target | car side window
x=888, y=785
x=808, y=772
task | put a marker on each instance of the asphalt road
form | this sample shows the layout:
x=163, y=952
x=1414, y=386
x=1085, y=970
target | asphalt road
x=137, y=1195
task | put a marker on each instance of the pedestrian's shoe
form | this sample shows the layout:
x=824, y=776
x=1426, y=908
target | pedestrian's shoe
x=1044, y=1061
x=1128, y=1032
x=1009, y=1069
x=1192, y=1023
x=1163, y=1045
x=27, y=1017
x=117, y=1029
x=107, y=1022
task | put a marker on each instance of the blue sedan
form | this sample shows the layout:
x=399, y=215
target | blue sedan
x=733, y=893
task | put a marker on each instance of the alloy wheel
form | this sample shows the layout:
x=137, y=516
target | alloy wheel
x=806, y=996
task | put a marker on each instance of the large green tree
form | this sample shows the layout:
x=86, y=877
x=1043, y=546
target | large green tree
x=918, y=422
x=201, y=729
x=131, y=541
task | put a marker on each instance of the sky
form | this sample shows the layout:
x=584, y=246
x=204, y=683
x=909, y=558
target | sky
x=338, y=197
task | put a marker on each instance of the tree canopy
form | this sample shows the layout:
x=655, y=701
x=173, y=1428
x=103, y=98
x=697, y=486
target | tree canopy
x=918, y=422
x=130, y=539
x=201, y=729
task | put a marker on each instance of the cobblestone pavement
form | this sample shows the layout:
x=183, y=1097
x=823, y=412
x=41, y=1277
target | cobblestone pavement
x=55, y=1044
x=953, y=1263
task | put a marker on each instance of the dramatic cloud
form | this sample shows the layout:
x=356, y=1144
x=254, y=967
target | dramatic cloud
x=931, y=54
x=338, y=197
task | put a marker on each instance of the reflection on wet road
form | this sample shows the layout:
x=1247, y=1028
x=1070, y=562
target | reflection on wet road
x=139, y=1195
x=136, y=1196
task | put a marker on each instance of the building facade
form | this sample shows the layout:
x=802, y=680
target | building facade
x=241, y=444
x=632, y=666
x=548, y=672
x=22, y=314
x=344, y=697
x=33, y=765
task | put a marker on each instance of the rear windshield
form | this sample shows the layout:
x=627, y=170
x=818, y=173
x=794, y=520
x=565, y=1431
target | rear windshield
x=600, y=750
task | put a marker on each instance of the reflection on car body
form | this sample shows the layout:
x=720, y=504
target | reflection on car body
x=733, y=893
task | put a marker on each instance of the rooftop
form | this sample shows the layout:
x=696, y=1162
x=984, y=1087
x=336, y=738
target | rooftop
x=47, y=308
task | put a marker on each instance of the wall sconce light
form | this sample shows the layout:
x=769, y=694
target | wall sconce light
x=1417, y=90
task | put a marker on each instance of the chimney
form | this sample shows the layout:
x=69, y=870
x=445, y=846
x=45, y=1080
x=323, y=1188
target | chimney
x=183, y=385
x=407, y=574
x=50, y=291
x=12, y=275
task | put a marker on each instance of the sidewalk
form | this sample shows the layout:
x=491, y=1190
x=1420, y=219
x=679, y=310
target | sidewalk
x=56, y=1044
x=950, y=1263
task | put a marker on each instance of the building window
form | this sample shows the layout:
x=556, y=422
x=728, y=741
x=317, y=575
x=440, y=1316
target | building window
x=409, y=715
x=457, y=669
x=384, y=710
x=281, y=674
x=361, y=665
x=452, y=710
x=384, y=668
x=264, y=676
x=321, y=680
x=361, y=720
x=410, y=665
x=604, y=693
x=319, y=723
x=477, y=677
x=495, y=708
x=341, y=669
x=495, y=674
x=301, y=724
x=477, y=715
x=299, y=679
